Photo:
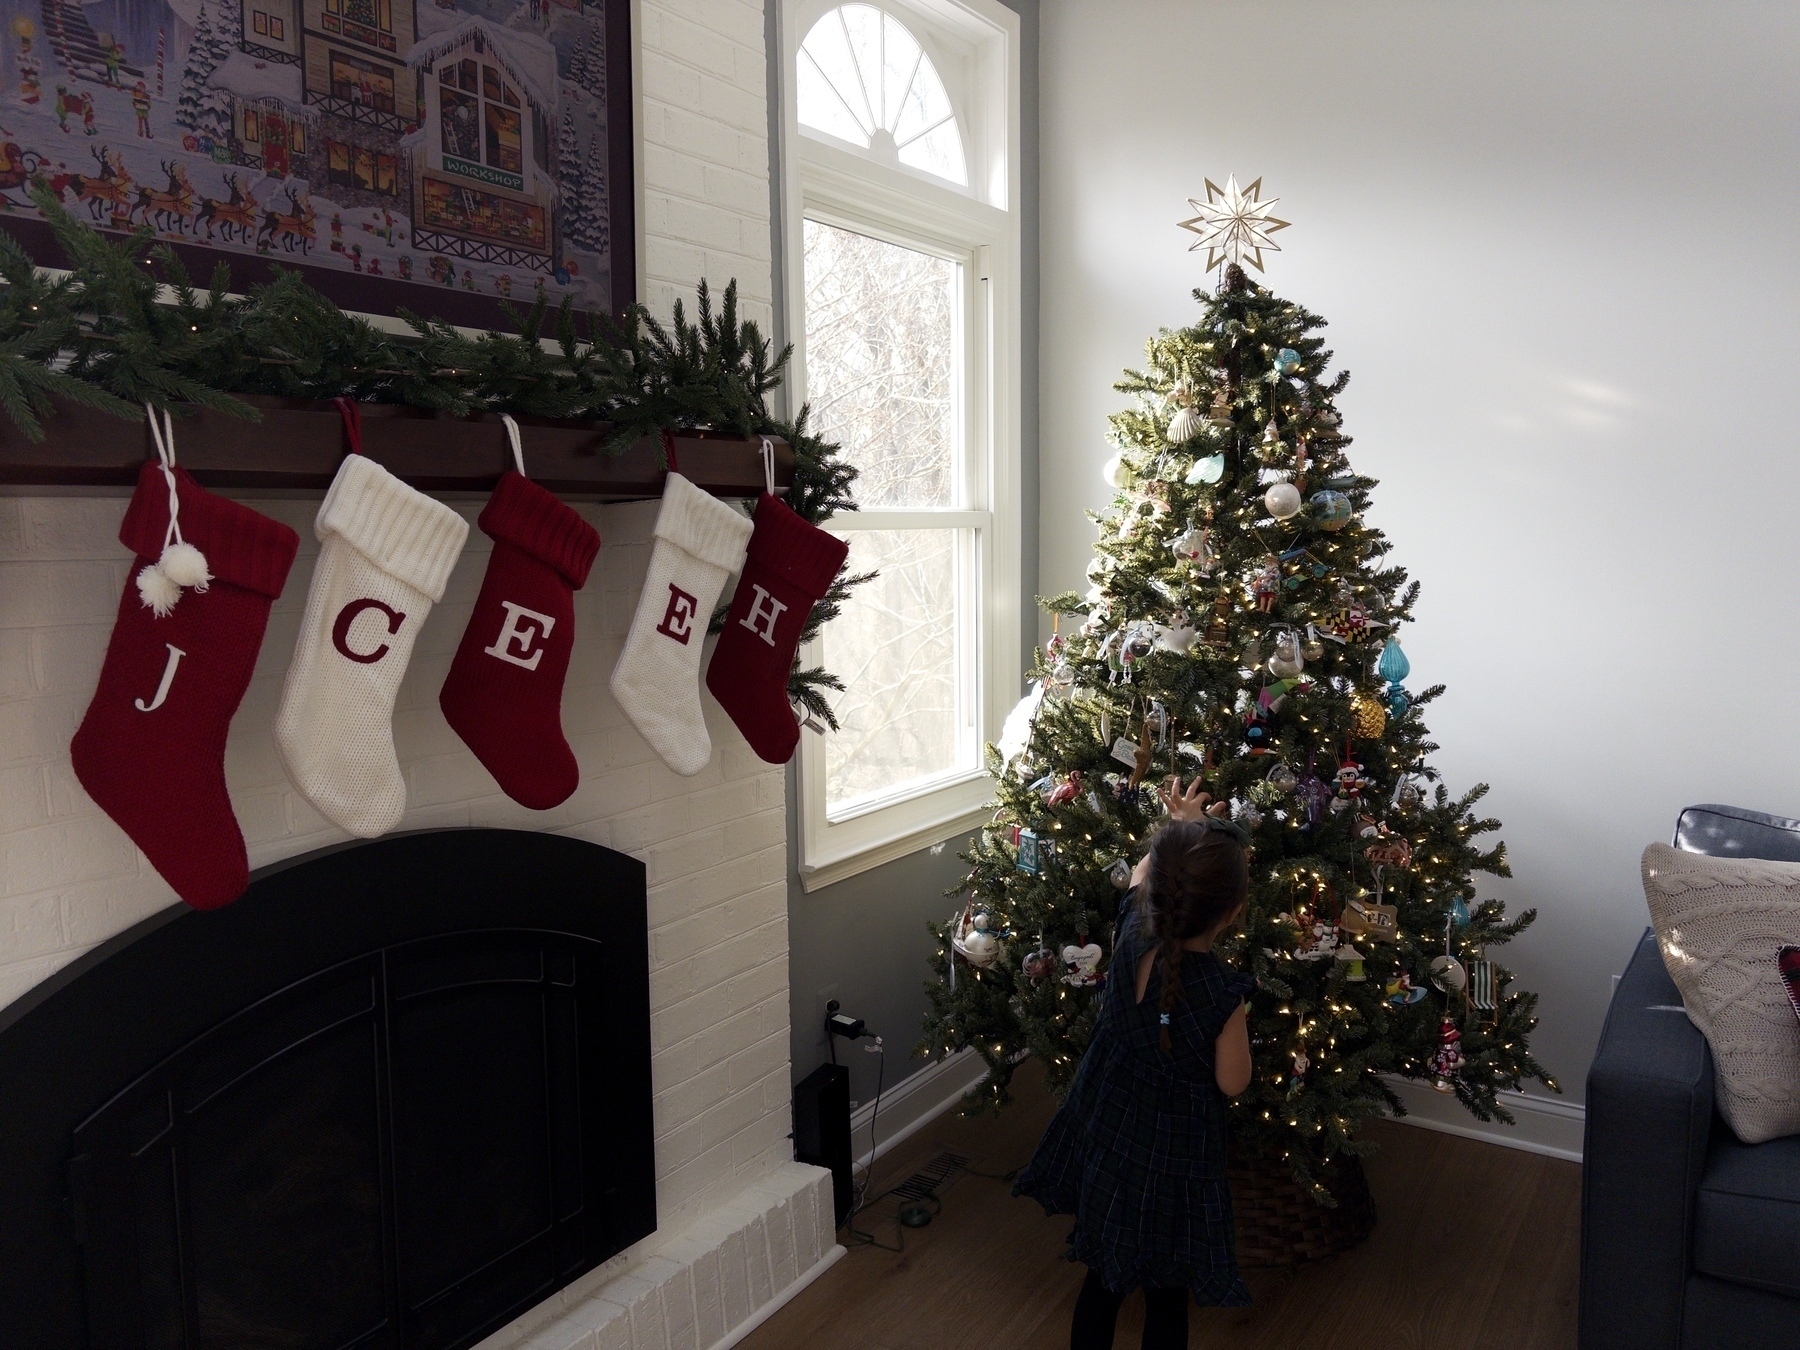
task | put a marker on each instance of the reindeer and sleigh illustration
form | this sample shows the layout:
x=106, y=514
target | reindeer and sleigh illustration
x=116, y=201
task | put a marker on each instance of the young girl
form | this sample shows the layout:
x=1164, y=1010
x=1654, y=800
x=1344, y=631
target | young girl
x=1137, y=1152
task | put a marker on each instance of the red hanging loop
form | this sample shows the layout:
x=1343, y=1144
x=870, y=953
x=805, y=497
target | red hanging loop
x=352, y=416
x=668, y=438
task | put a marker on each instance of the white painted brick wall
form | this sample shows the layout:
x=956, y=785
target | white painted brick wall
x=738, y=1220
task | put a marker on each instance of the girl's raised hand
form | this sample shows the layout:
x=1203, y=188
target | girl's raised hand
x=1191, y=804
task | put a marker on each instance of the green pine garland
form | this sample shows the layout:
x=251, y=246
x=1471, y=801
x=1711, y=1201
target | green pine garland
x=1251, y=360
x=127, y=326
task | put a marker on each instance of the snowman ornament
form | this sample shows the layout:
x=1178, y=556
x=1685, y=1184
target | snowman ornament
x=1081, y=965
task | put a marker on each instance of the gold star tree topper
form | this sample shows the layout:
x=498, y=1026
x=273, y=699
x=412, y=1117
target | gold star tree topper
x=1233, y=225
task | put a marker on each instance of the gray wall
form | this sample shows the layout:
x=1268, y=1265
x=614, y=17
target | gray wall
x=1556, y=246
x=866, y=936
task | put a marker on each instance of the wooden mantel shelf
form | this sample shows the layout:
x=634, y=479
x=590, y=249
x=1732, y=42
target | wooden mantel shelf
x=299, y=444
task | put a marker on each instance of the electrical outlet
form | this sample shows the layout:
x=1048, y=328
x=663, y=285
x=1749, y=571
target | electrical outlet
x=824, y=996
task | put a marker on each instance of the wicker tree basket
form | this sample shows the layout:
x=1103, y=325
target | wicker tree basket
x=1279, y=1224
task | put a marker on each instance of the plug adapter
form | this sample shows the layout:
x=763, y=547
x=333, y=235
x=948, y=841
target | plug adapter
x=850, y=1028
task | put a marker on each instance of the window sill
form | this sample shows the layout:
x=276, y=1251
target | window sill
x=961, y=821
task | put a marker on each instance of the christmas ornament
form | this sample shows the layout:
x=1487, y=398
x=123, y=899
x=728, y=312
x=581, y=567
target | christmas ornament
x=1459, y=911
x=1184, y=425
x=1206, y=471
x=1116, y=472
x=1394, y=667
x=1389, y=850
x=1287, y=361
x=1249, y=815
x=1352, y=960
x=1194, y=545
x=788, y=566
x=1039, y=963
x=1119, y=873
x=1266, y=584
x=1362, y=918
x=1407, y=794
x=1219, y=417
x=1447, y=973
x=1270, y=450
x=1449, y=1057
x=1368, y=719
x=503, y=695
x=1349, y=622
x=1301, y=1064
x=1179, y=636
x=1314, y=649
x=1287, y=661
x=179, y=565
x=971, y=940
x=386, y=552
x=1331, y=511
x=1034, y=852
x=700, y=541
x=1282, y=777
x=1350, y=781
x=1066, y=791
x=1232, y=224
x=1401, y=992
x=1081, y=965
x=1482, y=985
x=150, y=750
x=1282, y=501
x=1314, y=795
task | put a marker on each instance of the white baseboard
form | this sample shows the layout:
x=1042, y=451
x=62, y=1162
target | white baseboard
x=913, y=1103
x=781, y=1300
x=1546, y=1125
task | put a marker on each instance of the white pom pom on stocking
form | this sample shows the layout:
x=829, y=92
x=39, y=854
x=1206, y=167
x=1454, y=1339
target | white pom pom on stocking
x=185, y=565
x=158, y=590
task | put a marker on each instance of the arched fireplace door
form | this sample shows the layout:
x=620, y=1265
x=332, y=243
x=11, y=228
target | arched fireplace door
x=393, y=1097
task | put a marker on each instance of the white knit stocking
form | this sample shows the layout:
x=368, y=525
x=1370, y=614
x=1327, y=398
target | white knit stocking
x=386, y=551
x=700, y=542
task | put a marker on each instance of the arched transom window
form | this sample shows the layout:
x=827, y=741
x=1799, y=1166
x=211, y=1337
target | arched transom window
x=865, y=79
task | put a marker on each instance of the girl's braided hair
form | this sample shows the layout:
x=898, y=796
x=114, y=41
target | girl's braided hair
x=1198, y=875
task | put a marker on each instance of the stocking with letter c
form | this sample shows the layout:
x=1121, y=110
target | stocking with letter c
x=385, y=554
x=503, y=695
x=151, y=749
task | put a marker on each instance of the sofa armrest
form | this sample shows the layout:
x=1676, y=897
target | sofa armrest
x=1649, y=1115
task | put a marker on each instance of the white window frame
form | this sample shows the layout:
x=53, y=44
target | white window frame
x=975, y=46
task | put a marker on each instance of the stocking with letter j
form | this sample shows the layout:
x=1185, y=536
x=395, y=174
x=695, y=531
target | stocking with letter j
x=151, y=749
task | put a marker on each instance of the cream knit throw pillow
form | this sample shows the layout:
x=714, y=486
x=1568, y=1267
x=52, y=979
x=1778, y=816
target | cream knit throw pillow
x=1720, y=923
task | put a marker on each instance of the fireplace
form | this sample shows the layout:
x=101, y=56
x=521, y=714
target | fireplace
x=394, y=1096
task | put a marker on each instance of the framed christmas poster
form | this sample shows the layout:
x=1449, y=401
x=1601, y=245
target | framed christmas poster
x=441, y=156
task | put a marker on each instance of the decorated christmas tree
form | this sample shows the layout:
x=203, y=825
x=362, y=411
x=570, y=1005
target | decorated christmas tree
x=1243, y=626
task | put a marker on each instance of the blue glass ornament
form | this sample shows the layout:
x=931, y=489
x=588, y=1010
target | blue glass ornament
x=1287, y=361
x=1394, y=667
x=1331, y=510
x=1459, y=913
x=1208, y=470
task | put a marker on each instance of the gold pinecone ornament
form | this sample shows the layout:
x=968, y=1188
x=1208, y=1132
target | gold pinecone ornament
x=1368, y=719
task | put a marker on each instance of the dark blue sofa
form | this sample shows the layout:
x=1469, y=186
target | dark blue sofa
x=1690, y=1240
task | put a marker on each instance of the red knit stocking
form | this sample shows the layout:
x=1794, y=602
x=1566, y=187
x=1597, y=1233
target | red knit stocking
x=504, y=691
x=790, y=566
x=151, y=750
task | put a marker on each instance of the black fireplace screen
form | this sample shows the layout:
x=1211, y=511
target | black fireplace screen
x=394, y=1096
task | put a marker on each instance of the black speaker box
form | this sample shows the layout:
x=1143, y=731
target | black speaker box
x=822, y=1129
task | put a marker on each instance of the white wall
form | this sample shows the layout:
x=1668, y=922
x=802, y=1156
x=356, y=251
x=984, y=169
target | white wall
x=1556, y=244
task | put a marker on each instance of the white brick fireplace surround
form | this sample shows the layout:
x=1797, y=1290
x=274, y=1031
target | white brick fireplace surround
x=741, y=1226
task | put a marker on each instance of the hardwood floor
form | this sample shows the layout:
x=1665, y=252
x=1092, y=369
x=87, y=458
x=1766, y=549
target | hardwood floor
x=1477, y=1247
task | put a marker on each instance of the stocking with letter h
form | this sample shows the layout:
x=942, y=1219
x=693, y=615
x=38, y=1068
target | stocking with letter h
x=151, y=749
x=789, y=566
x=503, y=695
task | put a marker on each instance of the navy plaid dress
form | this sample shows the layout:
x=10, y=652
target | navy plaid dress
x=1137, y=1151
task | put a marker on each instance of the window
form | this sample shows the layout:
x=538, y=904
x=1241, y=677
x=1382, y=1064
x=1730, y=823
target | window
x=481, y=124
x=863, y=78
x=362, y=83
x=903, y=290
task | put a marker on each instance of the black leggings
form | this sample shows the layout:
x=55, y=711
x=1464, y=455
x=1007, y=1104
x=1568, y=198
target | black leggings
x=1165, y=1317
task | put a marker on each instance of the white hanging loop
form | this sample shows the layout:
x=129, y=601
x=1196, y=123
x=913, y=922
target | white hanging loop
x=180, y=564
x=512, y=434
x=768, y=459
